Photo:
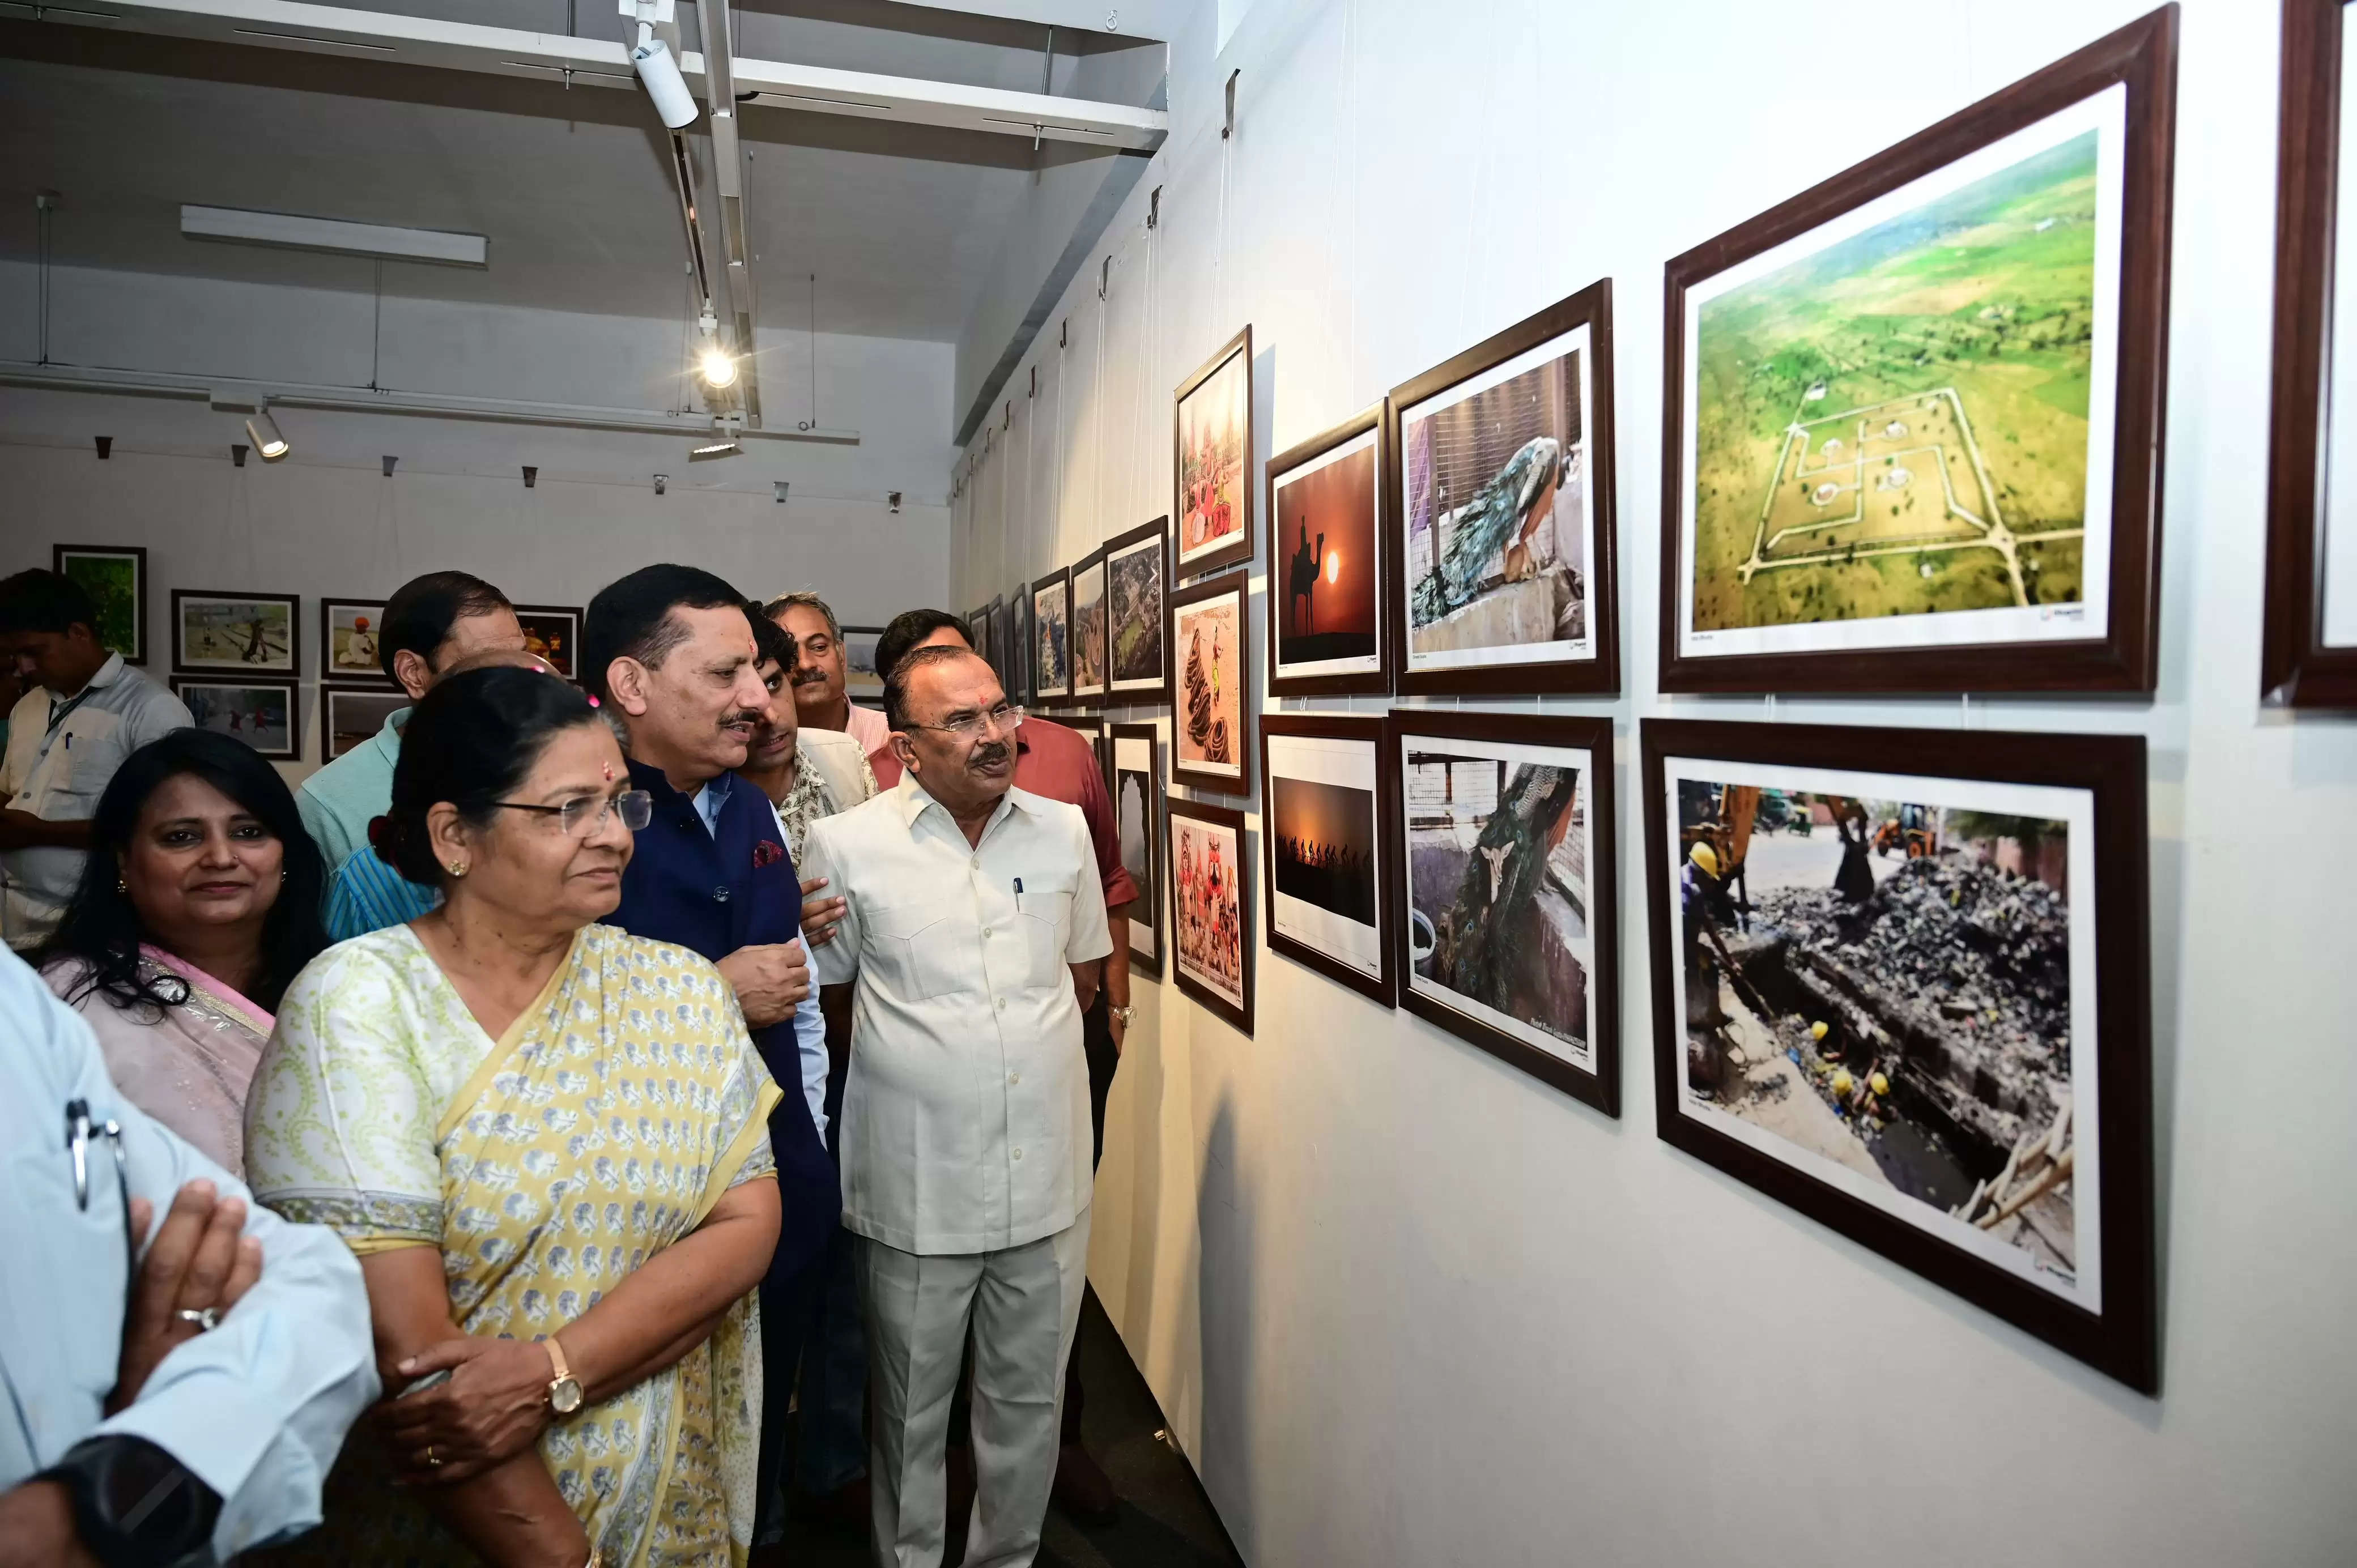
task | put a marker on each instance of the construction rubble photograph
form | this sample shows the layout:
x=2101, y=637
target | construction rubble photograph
x=1886, y=985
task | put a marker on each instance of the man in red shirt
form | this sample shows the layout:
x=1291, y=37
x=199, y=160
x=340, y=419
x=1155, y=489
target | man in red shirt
x=1060, y=763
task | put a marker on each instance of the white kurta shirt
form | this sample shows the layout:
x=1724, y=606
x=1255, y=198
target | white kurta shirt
x=965, y=1121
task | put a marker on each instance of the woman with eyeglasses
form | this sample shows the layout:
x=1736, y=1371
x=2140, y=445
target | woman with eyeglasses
x=546, y=1139
x=198, y=903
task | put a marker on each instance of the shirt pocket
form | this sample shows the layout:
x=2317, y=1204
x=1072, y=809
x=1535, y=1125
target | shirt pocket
x=927, y=952
x=1044, y=915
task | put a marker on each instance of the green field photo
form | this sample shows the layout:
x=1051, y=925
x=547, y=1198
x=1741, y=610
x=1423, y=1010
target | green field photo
x=112, y=580
x=1897, y=424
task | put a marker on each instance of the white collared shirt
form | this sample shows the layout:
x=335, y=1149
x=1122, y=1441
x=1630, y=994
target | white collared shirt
x=62, y=751
x=965, y=1123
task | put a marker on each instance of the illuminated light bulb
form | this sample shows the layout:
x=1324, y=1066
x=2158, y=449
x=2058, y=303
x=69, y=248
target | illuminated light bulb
x=719, y=369
x=1333, y=565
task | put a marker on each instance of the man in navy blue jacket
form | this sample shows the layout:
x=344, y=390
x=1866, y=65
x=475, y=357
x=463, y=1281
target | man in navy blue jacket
x=670, y=654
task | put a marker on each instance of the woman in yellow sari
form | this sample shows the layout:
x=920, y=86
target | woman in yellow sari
x=546, y=1139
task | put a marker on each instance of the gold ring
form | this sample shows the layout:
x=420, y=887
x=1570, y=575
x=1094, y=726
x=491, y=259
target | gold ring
x=431, y=1457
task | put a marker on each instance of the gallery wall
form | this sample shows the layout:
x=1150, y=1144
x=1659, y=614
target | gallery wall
x=1404, y=1304
x=326, y=521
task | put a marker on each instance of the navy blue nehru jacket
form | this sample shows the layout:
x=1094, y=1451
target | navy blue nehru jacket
x=714, y=892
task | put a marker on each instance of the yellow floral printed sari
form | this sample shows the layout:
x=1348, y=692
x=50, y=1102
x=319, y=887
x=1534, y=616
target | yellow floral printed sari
x=546, y=1165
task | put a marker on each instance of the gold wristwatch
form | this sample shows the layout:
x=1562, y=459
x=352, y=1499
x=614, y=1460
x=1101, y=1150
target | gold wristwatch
x=564, y=1389
x=1121, y=1015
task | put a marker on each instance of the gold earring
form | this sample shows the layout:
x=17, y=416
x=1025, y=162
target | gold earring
x=458, y=868
x=121, y=885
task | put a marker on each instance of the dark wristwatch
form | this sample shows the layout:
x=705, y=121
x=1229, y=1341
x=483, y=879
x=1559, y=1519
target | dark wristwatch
x=133, y=1504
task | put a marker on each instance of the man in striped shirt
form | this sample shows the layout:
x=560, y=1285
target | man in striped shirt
x=433, y=626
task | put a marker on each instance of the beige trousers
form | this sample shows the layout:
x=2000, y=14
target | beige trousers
x=1024, y=1303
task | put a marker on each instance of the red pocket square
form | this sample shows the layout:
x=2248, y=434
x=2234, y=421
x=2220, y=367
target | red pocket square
x=768, y=852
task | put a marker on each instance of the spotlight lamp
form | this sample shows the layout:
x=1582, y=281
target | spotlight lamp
x=659, y=72
x=718, y=366
x=264, y=432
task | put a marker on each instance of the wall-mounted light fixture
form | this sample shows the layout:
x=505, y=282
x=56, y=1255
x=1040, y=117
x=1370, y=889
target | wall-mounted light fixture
x=264, y=430
x=662, y=482
x=106, y=446
x=780, y=487
x=531, y=475
x=237, y=453
x=893, y=499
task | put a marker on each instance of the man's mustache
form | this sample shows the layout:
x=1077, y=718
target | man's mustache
x=754, y=716
x=806, y=677
x=987, y=754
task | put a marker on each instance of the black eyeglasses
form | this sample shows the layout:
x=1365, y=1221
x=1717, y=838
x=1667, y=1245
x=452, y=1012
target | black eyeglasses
x=584, y=814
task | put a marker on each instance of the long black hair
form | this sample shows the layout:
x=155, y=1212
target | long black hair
x=101, y=926
x=470, y=741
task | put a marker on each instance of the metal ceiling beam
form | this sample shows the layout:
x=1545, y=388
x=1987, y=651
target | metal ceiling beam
x=591, y=62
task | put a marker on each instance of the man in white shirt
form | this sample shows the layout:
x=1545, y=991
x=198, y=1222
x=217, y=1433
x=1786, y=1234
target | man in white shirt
x=975, y=928
x=82, y=713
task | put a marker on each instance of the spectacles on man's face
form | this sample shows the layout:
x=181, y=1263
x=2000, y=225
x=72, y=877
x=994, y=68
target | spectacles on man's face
x=584, y=815
x=1005, y=717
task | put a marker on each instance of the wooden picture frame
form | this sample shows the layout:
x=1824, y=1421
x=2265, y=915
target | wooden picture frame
x=122, y=608
x=1124, y=740
x=1016, y=678
x=1325, y=471
x=1868, y=1053
x=2026, y=619
x=1227, y=829
x=1051, y=607
x=1221, y=605
x=1090, y=612
x=360, y=621
x=206, y=622
x=1356, y=865
x=358, y=711
x=2299, y=666
x=1137, y=591
x=1447, y=739
x=219, y=705
x=554, y=632
x=1217, y=394
x=1502, y=384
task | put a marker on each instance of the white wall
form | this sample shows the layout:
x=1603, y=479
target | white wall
x=1407, y=1306
x=326, y=521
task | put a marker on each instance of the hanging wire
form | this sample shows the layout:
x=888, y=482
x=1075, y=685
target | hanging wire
x=44, y=214
x=376, y=330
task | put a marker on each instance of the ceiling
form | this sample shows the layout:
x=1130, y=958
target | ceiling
x=899, y=222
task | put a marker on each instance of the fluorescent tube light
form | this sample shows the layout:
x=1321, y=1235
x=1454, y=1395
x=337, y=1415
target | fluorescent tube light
x=288, y=231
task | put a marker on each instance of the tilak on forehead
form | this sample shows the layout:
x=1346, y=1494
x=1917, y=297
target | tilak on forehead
x=607, y=769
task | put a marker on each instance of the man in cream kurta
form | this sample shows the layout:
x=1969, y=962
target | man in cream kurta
x=975, y=921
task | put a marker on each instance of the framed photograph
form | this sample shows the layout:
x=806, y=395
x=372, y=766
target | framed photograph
x=1137, y=576
x=984, y=628
x=860, y=676
x=115, y=578
x=1017, y=677
x=1136, y=788
x=1502, y=889
x=351, y=716
x=1210, y=909
x=1089, y=648
x=1325, y=800
x=260, y=712
x=554, y=632
x=251, y=634
x=1210, y=627
x=1899, y=984
x=1051, y=638
x=1912, y=435
x=348, y=629
x=1327, y=554
x=2309, y=652
x=1500, y=472
x=1211, y=460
